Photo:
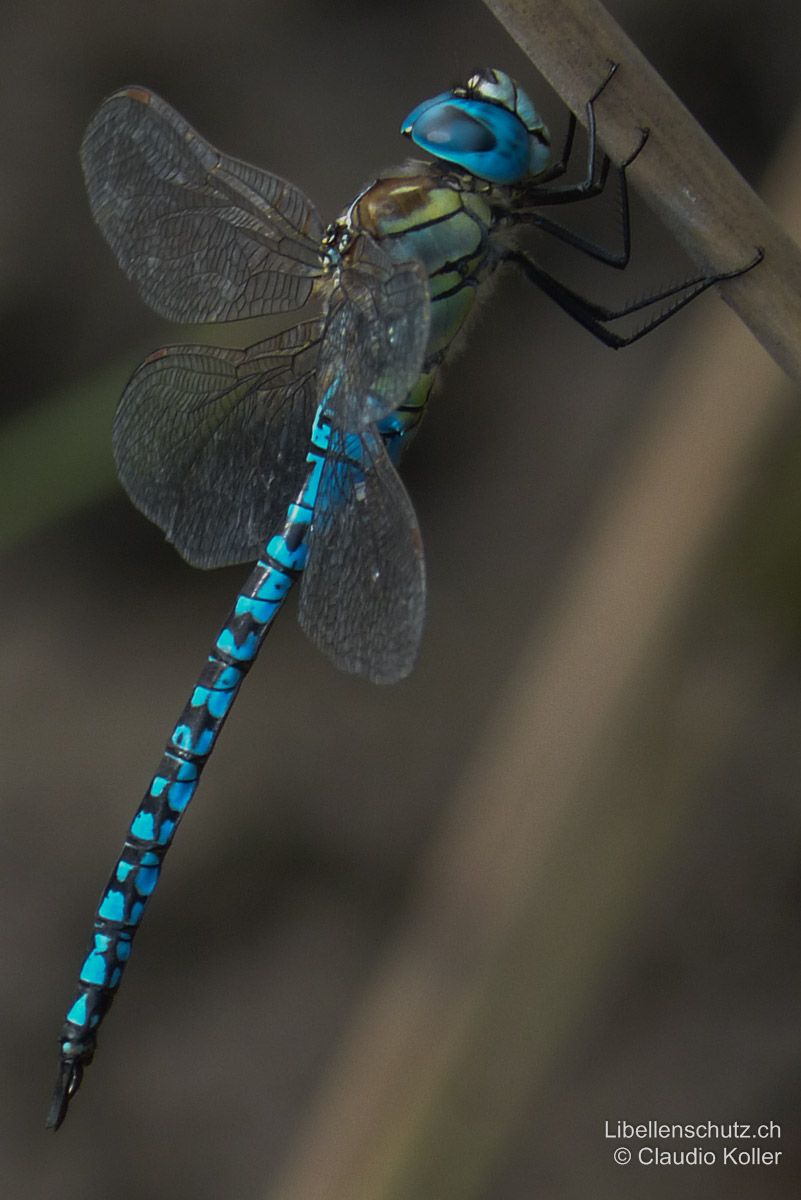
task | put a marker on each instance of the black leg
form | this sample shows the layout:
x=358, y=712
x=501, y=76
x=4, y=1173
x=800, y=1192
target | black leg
x=612, y=258
x=618, y=258
x=557, y=169
x=538, y=193
x=528, y=202
x=597, y=164
x=595, y=316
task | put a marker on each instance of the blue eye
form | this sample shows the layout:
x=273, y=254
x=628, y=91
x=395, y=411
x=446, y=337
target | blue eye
x=500, y=138
x=483, y=138
x=447, y=127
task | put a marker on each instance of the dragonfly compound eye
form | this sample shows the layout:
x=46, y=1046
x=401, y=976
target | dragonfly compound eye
x=490, y=128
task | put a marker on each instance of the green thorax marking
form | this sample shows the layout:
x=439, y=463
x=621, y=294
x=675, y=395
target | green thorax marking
x=445, y=223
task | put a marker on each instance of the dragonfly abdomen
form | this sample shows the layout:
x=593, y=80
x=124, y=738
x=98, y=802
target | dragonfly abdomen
x=153, y=827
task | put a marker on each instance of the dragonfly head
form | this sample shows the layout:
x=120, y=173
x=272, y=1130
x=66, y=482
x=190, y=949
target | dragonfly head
x=488, y=126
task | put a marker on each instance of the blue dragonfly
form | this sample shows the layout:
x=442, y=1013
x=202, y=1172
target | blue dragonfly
x=286, y=452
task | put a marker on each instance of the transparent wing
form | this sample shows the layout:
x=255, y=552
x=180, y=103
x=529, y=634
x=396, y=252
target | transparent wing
x=375, y=335
x=362, y=596
x=204, y=237
x=210, y=443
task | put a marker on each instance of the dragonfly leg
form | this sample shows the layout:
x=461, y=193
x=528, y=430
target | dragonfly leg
x=594, y=317
x=597, y=166
x=612, y=257
x=559, y=168
x=593, y=185
x=619, y=258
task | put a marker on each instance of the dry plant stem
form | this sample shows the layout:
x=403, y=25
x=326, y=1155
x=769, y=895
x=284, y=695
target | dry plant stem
x=683, y=176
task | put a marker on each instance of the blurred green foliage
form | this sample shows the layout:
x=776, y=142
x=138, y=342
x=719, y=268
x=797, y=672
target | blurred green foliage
x=762, y=562
x=55, y=457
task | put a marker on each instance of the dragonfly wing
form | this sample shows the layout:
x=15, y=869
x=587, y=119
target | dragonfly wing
x=210, y=443
x=375, y=335
x=203, y=236
x=362, y=596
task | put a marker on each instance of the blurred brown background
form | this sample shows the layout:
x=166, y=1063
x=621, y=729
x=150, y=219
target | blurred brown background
x=300, y=862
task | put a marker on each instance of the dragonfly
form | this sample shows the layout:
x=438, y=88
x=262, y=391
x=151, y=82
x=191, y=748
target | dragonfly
x=286, y=452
